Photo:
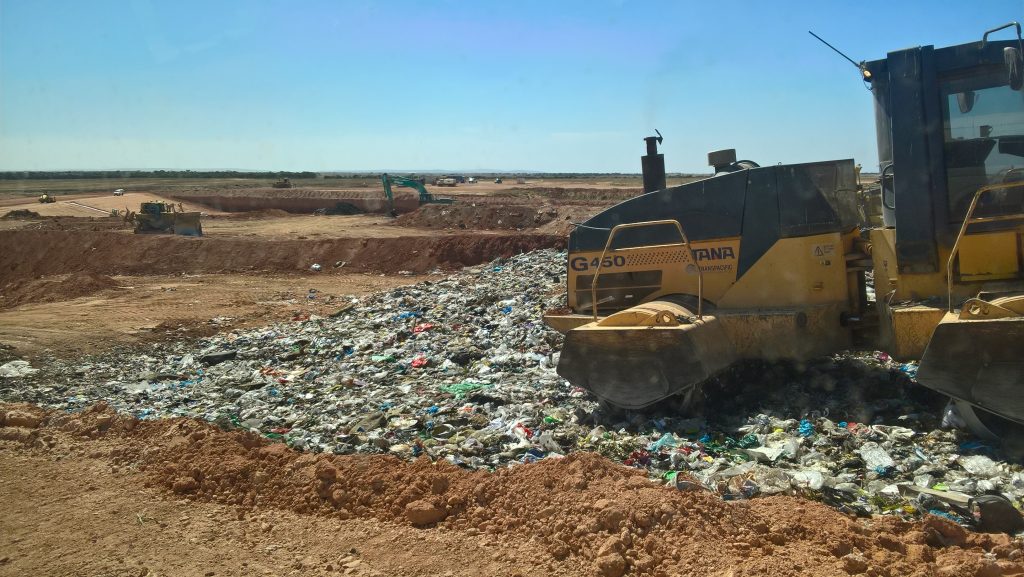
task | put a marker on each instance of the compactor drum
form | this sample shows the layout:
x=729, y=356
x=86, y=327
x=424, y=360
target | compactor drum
x=674, y=285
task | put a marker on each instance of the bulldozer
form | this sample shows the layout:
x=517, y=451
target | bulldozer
x=46, y=198
x=164, y=218
x=671, y=287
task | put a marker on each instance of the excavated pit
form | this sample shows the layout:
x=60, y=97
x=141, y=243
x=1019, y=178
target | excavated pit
x=30, y=254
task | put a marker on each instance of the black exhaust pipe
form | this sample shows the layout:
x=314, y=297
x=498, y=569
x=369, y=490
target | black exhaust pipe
x=653, y=165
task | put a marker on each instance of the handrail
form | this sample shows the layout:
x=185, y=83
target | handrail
x=963, y=230
x=984, y=37
x=686, y=243
x=881, y=184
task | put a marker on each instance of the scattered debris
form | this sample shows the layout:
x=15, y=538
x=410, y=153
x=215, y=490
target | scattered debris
x=16, y=369
x=462, y=370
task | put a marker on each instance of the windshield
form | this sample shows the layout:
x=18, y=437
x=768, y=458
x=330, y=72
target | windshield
x=984, y=136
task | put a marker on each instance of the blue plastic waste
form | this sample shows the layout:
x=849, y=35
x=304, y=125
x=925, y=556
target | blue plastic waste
x=806, y=428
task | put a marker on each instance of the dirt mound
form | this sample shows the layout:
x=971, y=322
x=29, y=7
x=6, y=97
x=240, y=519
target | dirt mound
x=300, y=201
x=340, y=208
x=32, y=253
x=286, y=193
x=589, y=514
x=479, y=216
x=419, y=254
x=264, y=213
x=54, y=289
x=576, y=193
x=75, y=223
x=22, y=213
x=553, y=219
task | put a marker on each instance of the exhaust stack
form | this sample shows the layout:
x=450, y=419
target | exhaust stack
x=653, y=164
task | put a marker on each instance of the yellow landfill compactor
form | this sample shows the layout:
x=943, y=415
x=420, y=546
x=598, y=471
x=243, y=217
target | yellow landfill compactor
x=670, y=287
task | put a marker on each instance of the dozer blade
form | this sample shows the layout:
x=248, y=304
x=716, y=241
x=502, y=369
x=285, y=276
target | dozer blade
x=187, y=224
x=632, y=367
x=978, y=361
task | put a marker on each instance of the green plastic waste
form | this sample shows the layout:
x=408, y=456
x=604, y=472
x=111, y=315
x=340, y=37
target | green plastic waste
x=749, y=442
x=460, y=390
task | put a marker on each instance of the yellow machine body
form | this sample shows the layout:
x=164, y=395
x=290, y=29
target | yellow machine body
x=647, y=339
x=788, y=305
x=667, y=288
x=671, y=313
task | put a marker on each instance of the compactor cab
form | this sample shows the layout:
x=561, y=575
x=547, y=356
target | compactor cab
x=672, y=286
x=949, y=262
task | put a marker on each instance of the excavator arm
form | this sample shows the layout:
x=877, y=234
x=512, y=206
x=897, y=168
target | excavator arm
x=425, y=197
x=406, y=182
x=386, y=181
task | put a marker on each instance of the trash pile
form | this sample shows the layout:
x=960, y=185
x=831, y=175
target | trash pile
x=463, y=369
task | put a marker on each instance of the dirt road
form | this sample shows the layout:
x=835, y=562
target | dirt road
x=89, y=205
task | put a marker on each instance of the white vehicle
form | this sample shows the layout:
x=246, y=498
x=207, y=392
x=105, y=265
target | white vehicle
x=119, y=192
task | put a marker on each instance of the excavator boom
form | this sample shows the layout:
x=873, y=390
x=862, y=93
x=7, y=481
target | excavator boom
x=425, y=197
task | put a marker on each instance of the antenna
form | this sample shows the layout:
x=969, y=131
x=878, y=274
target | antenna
x=860, y=65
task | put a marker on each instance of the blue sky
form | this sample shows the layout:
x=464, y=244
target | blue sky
x=368, y=85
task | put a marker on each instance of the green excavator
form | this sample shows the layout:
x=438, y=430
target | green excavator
x=425, y=197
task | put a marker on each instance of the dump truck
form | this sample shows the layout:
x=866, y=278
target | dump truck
x=164, y=218
x=671, y=287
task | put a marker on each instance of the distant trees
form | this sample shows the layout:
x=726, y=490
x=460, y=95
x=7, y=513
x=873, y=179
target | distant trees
x=124, y=174
x=121, y=174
